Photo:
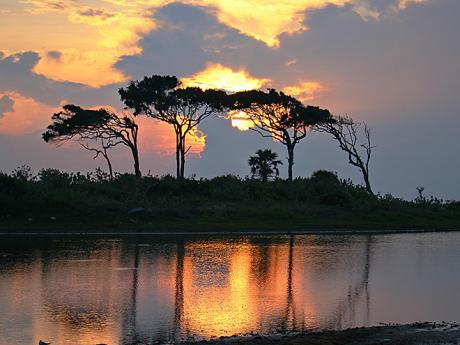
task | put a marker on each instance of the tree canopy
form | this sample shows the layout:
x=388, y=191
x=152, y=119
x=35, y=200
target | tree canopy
x=95, y=130
x=279, y=116
x=271, y=113
x=161, y=98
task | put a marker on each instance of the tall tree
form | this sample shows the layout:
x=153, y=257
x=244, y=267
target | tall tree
x=95, y=130
x=264, y=164
x=161, y=98
x=354, y=138
x=279, y=116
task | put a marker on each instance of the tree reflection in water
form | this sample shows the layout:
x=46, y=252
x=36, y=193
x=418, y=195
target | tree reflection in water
x=106, y=291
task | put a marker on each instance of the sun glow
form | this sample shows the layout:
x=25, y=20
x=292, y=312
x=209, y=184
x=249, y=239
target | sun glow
x=305, y=90
x=240, y=120
x=164, y=143
x=224, y=78
x=216, y=76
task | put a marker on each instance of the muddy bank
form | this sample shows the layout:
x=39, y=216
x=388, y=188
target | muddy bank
x=418, y=333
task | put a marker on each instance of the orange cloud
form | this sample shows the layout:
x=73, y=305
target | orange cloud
x=90, y=40
x=26, y=116
x=93, y=36
x=216, y=76
x=404, y=3
x=305, y=90
x=240, y=120
x=224, y=78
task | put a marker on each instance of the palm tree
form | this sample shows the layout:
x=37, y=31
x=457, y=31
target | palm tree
x=264, y=165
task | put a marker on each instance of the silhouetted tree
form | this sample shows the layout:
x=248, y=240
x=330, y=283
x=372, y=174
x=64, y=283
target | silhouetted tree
x=279, y=116
x=264, y=164
x=96, y=131
x=161, y=98
x=347, y=132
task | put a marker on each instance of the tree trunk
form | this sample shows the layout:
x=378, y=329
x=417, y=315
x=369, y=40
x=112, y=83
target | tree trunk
x=178, y=149
x=367, y=182
x=109, y=163
x=290, y=149
x=137, y=169
x=182, y=158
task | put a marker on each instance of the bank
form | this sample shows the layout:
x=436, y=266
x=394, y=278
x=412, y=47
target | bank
x=411, y=334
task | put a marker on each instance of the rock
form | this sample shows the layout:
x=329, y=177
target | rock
x=41, y=342
x=53, y=218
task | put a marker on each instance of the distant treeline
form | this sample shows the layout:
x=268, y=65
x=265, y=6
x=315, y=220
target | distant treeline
x=65, y=201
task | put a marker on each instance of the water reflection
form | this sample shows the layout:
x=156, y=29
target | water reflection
x=81, y=292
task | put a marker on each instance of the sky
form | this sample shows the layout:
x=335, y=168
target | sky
x=394, y=64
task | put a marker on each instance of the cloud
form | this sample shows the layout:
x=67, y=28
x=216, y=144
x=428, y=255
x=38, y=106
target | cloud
x=186, y=39
x=17, y=71
x=44, y=6
x=108, y=30
x=304, y=90
x=99, y=14
x=55, y=55
x=404, y=3
x=216, y=76
x=28, y=115
x=90, y=39
x=6, y=105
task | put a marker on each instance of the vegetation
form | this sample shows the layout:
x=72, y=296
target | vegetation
x=59, y=201
x=264, y=165
x=161, y=98
x=95, y=130
x=273, y=114
x=348, y=134
x=280, y=117
x=109, y=201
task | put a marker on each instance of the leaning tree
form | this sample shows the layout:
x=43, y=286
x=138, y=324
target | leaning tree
x=279, y=116
x=354, y=138
x=95, y=130
x=163, y=99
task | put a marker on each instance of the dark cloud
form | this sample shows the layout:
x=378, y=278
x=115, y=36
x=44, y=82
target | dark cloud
x=6, y=105
x=54, y=54
x=99, y=13
x=188, y=37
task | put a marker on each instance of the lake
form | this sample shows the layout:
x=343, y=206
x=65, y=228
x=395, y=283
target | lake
x=86, y=291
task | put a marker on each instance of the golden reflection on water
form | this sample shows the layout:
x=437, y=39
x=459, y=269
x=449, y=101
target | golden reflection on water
x=113, y=292
x=217, y=289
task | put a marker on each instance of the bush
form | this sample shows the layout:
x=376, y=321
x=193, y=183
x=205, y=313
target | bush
x=12, y=186
x=98, y=195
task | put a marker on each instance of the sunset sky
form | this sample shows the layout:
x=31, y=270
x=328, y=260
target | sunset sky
x=392, y=63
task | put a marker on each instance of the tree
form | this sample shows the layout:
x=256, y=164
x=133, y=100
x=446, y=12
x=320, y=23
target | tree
x=96, y=131
x=161, y=98
x=347, y=133
x=279, y=116
x=264, y=164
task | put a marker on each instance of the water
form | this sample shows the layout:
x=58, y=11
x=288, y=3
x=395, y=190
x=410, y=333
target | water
x=118, y=291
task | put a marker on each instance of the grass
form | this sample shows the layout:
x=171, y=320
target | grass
x=55, y=201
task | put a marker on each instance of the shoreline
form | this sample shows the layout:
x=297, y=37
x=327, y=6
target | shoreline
x=426, y=333
x=225, y=233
